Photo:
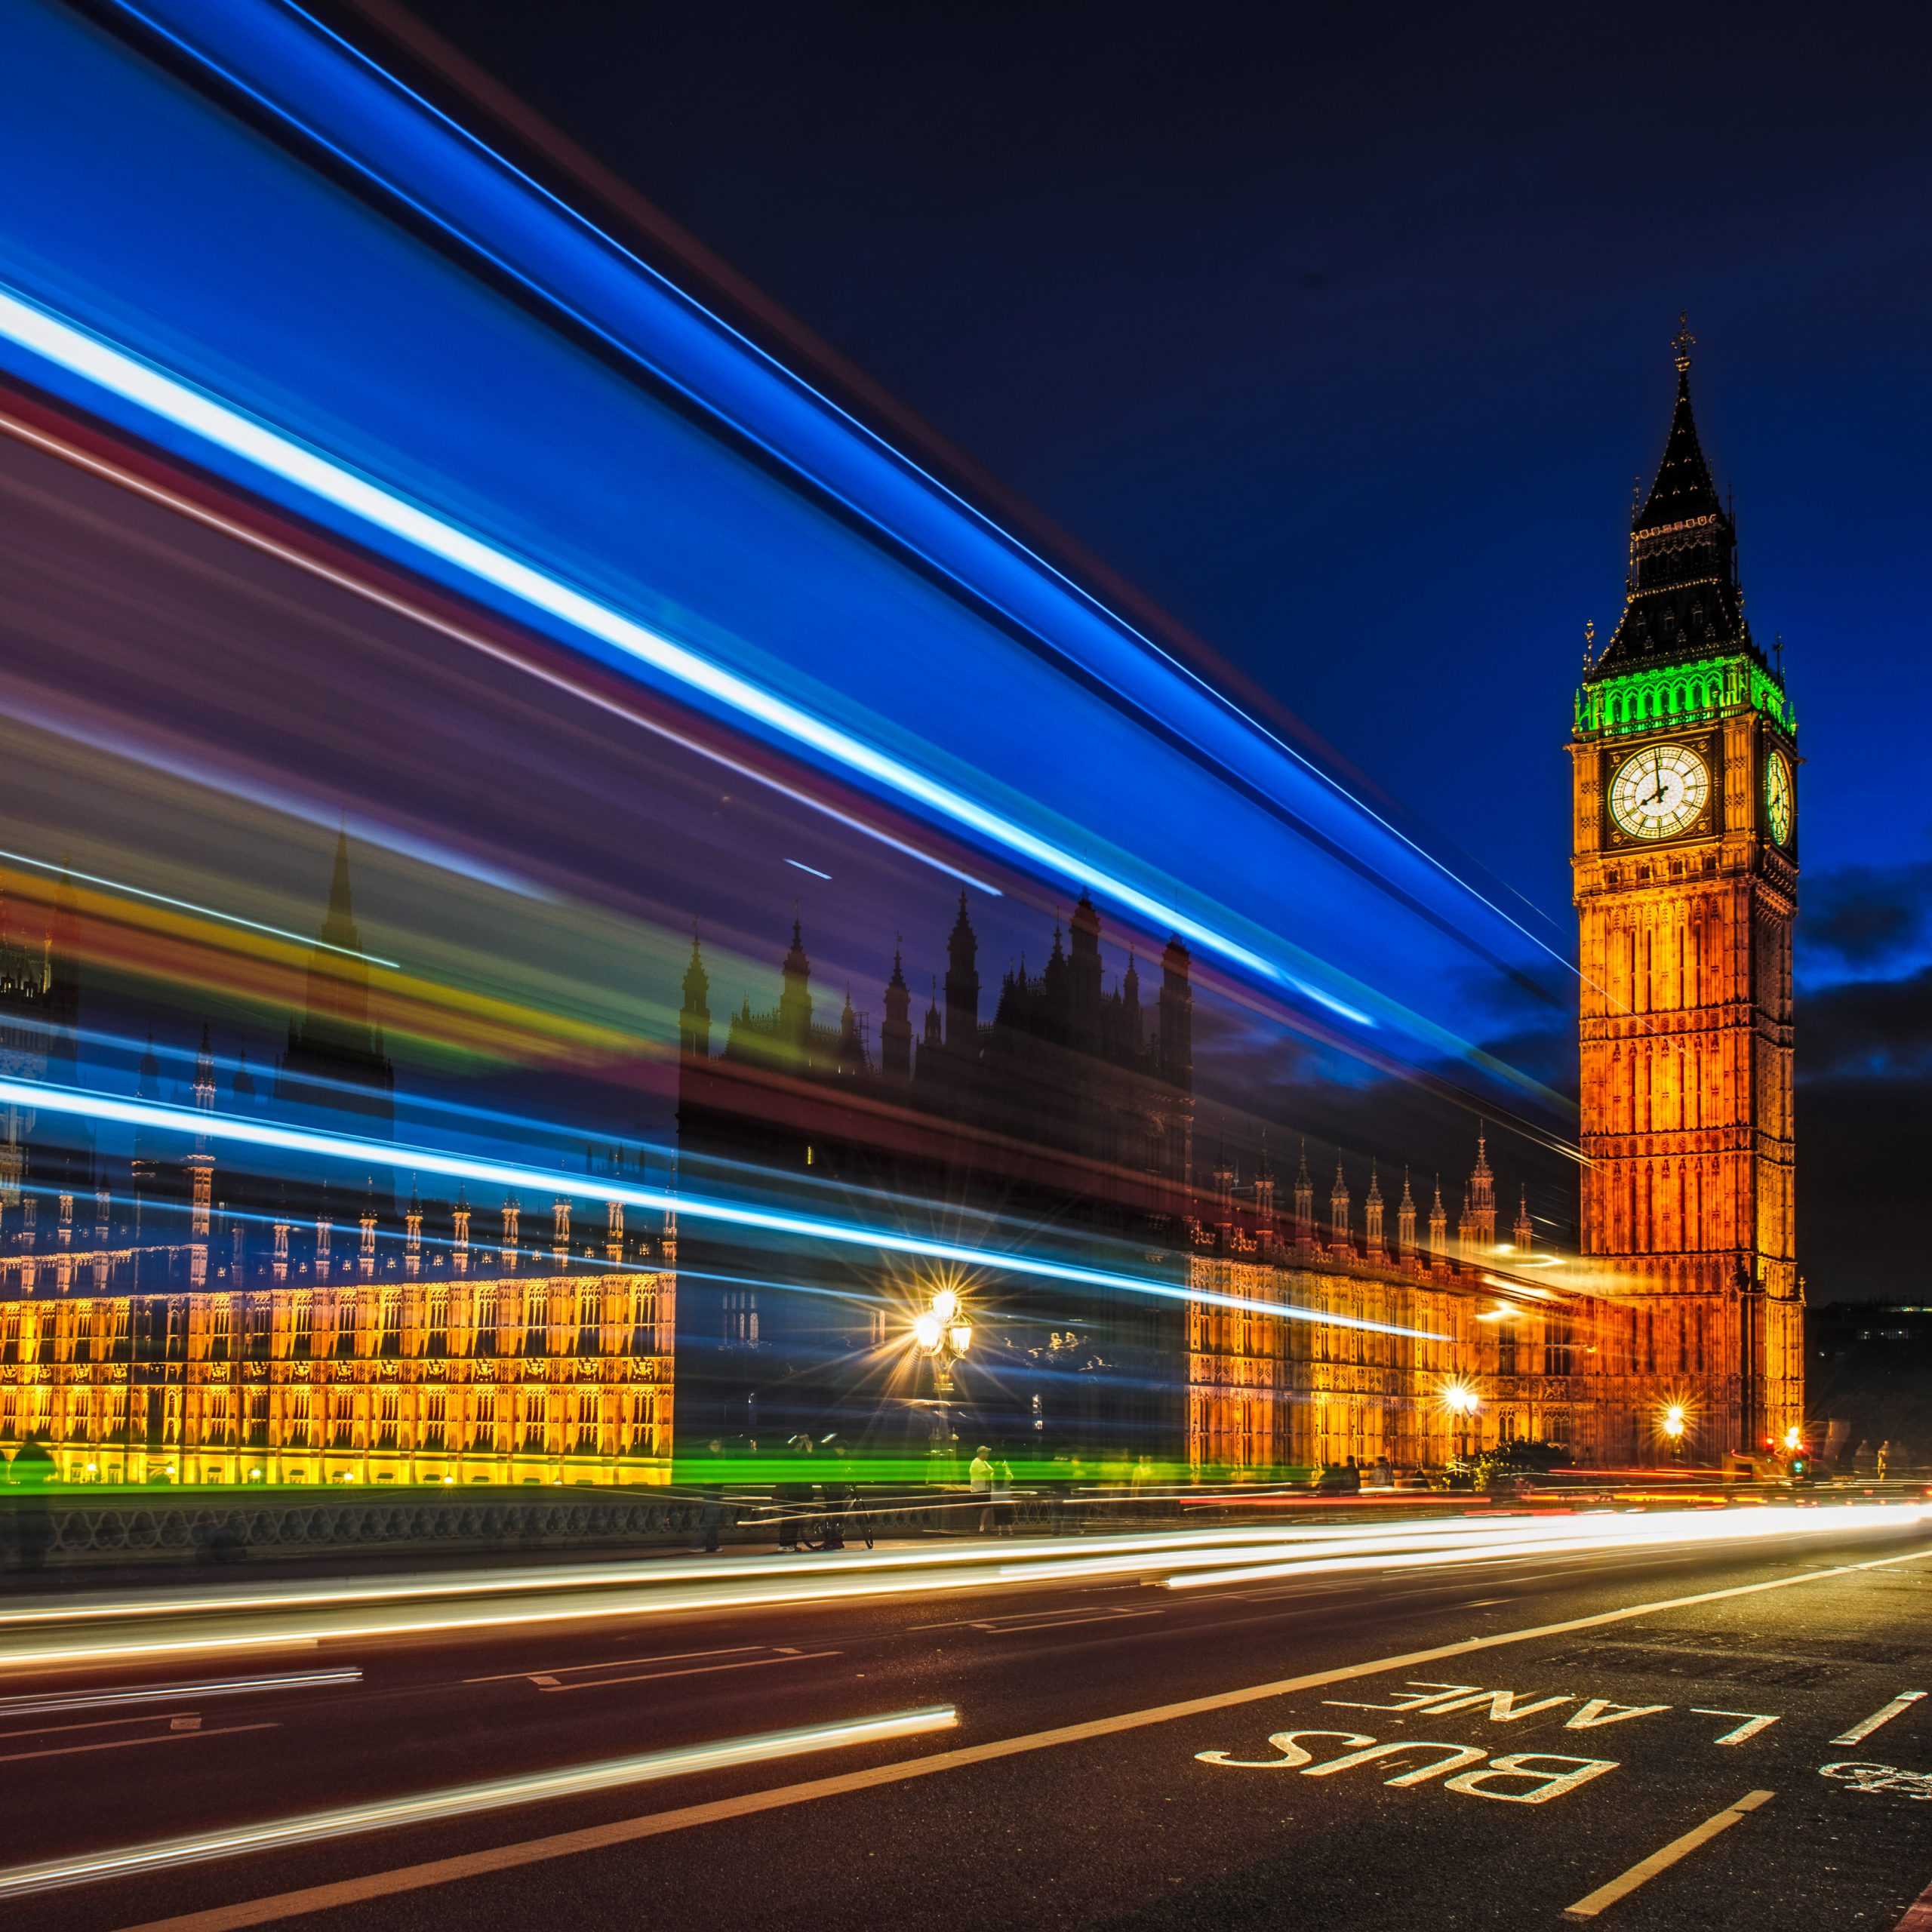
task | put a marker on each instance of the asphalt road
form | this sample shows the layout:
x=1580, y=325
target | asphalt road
x=1124, y=1755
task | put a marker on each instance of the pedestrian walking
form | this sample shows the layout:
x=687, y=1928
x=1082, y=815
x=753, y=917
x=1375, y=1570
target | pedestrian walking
x=980, y=1481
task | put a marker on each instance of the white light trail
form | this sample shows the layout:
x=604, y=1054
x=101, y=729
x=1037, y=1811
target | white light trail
x=206, y=911
x=299, y=1616
x=1148, y=1549
x=86, y=355
x=458, y=1801
x=1591, y=1534
x=216, y=1126
x=176, y=1694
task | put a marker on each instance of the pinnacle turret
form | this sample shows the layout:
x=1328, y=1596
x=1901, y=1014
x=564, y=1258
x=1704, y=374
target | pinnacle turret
x=1682, y=599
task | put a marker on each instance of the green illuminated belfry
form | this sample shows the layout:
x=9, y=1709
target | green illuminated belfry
x=1682, y=648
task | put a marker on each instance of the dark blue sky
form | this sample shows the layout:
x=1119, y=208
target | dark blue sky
x=1344, y=338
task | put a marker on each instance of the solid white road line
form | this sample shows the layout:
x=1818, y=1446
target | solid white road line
x=1647, y=1869
x=1903, y=1702
x=566, y=1844
x=91, y=1724
x=128, y=1744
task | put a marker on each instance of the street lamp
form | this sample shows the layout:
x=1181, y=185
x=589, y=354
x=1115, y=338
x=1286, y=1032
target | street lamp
x=1461, y=1400
x=942, y=1332
x=1673, y=1429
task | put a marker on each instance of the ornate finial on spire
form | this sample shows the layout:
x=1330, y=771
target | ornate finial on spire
x=1683, y=342
x=1589, y=641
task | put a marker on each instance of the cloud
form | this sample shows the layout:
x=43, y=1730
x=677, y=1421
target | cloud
x=1868, y=1030
x=1867, y=915
x=1864, y=1150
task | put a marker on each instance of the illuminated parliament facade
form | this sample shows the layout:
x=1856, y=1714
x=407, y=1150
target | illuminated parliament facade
x=184, y=1317
x=181, y=1318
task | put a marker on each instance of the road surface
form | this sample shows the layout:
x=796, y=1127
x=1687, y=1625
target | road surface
x=1670, y=1739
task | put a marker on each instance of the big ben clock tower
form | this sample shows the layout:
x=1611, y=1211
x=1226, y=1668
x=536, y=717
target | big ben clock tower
x=1684, y=854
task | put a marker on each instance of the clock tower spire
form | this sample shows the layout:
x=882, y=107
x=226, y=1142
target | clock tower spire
x=1684, y=859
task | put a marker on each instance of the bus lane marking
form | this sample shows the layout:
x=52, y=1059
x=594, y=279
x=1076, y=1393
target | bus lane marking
x=1424, y=1699
x=1543, y=1771
x=1900, y=1705
x=1625, y=1883
x=1755, y=1722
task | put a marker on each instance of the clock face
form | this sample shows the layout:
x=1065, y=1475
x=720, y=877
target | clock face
x=1778, y=797
x=1659, y=790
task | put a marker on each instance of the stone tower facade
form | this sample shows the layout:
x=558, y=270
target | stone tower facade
x=1684, y=844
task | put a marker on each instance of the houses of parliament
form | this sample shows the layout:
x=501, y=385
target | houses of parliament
x=164, y=1317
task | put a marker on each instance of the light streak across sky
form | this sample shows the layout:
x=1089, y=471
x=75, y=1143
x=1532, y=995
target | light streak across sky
x=205, y=912
x=86, y=1104
x=82, y=354
x=1227, y=821
x=1234, y=731
x=417, y=611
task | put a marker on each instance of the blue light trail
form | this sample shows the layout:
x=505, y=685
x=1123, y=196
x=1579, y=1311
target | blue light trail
x=86, y=1104
x=903, y=620
x=87, y=356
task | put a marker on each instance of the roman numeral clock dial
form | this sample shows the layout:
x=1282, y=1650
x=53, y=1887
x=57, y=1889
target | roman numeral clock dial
x=1658, y=792
x=1778, y=797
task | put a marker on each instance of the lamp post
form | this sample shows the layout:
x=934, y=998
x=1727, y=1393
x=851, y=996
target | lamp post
x=1461, y=1400
x=1673, y=1429
x=942, y=1333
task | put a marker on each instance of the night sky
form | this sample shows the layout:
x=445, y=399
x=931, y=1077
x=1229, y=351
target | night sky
x=1343, y=347
x=1345, y=341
